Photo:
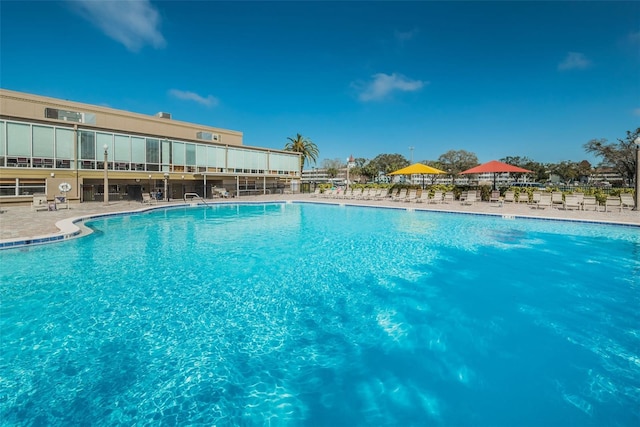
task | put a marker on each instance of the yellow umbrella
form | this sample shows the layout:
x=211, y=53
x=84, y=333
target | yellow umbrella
x=418, y=169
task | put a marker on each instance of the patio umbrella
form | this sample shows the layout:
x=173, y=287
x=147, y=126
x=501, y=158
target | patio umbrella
x=418, y=169
x=495, y=167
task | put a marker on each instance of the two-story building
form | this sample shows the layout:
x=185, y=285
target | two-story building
x=54, y=146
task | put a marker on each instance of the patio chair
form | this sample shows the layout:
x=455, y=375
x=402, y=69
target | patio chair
x=148, y=200
x=61, y=202
x=424, y=197
x=556, y=199
x=626, y=200
x=590, y=203
x=316, y=192
x=494, y=197
x=470, y=199
x=411, y=196
x=544, y=201
x=39, y=202
x=509, y=196
x=356, y=193
x=571, y=201
x=401, y=195
x=613, y=202
x=382, y=194
x=437, y=197
x=523, y=197
x=448, y=197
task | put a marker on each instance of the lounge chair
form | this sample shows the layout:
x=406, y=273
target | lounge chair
x=470, y=199
x=556, y=199
x=424, y=197
x=613, y=202
x=411, y=196
x=61, y=202
x=382, y=194
x=494, y=197
x=523, y=197
x=354, y=193
x=316, y=193
x=580, y=197
x=39, y=202
x=571, y=201
x=626, y=199
x=544, y=201
x=448, y=197
x=590, y=203
x=535, y=197
x=401, y=195
x=437, y=197
x=148, y=200
x=509, y=196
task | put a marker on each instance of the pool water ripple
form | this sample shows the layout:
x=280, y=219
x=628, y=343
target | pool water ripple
x=294, y=314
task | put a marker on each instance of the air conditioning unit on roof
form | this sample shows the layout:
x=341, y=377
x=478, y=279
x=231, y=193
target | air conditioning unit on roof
x=163, y=115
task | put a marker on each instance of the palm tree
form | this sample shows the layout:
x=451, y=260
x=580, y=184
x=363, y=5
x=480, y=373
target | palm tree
x=307, y=149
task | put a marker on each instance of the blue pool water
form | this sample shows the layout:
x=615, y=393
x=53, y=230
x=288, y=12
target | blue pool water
x=310, y=315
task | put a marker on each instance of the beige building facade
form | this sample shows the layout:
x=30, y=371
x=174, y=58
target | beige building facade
x=56, y=147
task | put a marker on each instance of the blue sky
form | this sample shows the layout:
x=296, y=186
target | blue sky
x=534, y=79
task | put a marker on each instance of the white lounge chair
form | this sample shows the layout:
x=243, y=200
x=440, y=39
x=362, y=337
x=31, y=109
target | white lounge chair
x=402, y=194
x=626, y=199
x=523, y=197
x=613, y=202
x=39, y=202
x=556, y=199
x=448, y=197
x=544, y=201
x=61, y=202
x=148, y=200
x=494, y=197
x=509, y=197
x=571, y=201
x=590, y=203
x=411, y=196
x=470, y=199
x=424, y=197
x=437, y=197
x=382, y=194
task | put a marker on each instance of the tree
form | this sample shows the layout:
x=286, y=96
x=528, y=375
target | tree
x=332, y=167
x=539, y=170
x=566, y=170
x=620, y=157
x=455, y=162
x=305, y=147
x=386, y=163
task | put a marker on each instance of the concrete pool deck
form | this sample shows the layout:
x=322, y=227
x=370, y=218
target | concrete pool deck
x=20, y=223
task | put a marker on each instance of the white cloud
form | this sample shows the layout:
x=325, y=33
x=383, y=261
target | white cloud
x=382, y=85
x=209, y=101
x=574, y=61
x=134, y=23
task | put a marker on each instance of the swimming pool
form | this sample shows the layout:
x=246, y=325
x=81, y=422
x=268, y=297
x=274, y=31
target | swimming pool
x=304, y=314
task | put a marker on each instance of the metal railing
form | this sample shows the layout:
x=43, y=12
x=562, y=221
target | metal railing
x=194, y=196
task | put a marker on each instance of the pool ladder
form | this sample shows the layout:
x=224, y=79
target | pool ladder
x=194, y=196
